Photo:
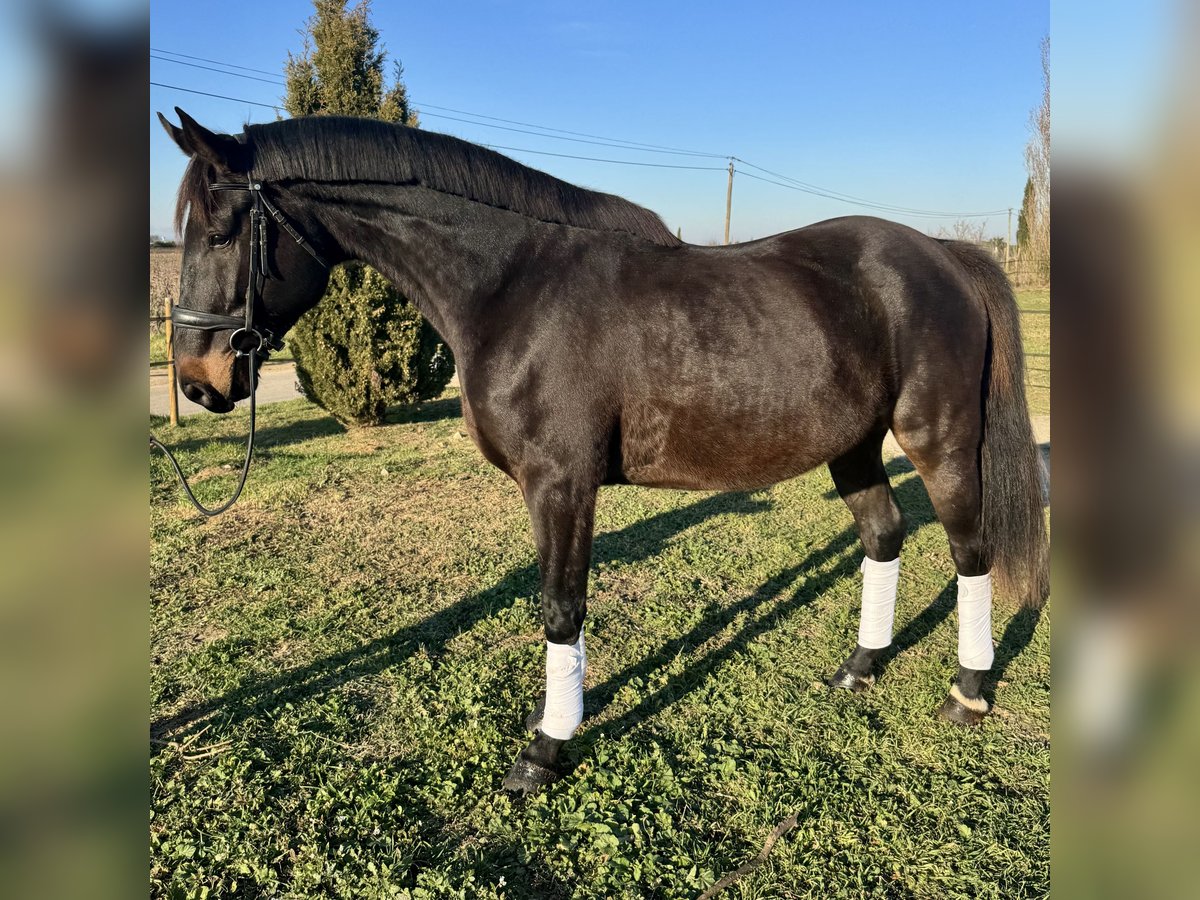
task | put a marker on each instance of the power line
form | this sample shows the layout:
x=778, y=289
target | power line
x=180, y=62
x=424, y=111
x=868, y=204
x=604, y=141
x=623, y=162
x=557, y=137
x=626, y=162
x=216, y=62
x=175, y=87
x=838, y=195
x=804, y=183
x=788, y=182
x=424, y=106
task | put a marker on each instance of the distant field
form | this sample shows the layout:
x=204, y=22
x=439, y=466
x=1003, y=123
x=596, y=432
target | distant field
x=164, y=285
x=164, y=277
x=1035, y=329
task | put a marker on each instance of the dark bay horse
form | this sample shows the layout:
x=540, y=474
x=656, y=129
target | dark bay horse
x=594, y=348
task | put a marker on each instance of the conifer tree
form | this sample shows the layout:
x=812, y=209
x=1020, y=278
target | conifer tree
x=364, y=347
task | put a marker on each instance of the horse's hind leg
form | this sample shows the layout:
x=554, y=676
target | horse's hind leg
x=947, y=459
x=862, y=482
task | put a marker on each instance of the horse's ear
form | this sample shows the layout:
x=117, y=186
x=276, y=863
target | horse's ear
x=222, y=150
x=176, y=134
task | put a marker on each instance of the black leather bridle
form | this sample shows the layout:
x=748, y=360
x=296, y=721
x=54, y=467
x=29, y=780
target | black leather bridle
x=246, y=338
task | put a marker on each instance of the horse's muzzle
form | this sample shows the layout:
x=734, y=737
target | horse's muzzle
x=206, y=396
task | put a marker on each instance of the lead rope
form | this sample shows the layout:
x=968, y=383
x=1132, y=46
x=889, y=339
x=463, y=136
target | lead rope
x=254, y=340
x=254, y=285
x=155, y=443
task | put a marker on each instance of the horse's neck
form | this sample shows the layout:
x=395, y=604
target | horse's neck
x=446, y=254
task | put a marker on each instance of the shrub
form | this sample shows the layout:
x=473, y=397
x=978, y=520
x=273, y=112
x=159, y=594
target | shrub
x=364, y=348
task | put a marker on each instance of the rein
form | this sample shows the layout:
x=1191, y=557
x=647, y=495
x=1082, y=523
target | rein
x=244, y=340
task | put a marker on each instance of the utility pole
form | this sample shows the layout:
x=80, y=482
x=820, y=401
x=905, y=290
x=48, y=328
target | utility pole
x=1008, y=243
x=728, y=201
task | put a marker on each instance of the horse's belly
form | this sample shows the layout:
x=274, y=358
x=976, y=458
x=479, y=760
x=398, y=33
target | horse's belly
x=698, y=449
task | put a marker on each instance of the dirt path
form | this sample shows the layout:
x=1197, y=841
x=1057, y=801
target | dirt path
x=277, y=381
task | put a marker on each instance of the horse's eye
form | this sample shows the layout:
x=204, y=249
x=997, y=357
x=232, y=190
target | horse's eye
x=218, y=240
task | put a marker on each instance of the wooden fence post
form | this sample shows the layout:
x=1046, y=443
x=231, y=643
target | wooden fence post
x=172, y=395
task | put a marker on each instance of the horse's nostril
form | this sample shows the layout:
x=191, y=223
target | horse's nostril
x=204, y=395
x=194, y=393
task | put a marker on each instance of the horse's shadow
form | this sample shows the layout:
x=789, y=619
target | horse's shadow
x=767, y=607
x=269, y=437
x=763, y=615
x=638, y=541
x=763, y=607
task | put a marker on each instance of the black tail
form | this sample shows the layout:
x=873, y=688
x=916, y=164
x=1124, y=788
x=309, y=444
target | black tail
x=1014, y=524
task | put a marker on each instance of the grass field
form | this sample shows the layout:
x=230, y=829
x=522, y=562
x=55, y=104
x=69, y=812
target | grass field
x=341, y=665
x=1035, y=329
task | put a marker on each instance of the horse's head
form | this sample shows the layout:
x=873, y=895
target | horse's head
x=238, y=254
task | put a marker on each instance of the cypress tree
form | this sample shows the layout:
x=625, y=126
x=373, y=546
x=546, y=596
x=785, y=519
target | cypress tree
x=364, y=347
x=1023, y=215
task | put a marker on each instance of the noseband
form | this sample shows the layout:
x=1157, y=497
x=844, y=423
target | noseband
x=245, y=338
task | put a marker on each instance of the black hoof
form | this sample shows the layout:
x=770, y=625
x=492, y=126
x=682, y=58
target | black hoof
x=847, y=680
x=533, y=721
x=955, y=710
x=527, y=777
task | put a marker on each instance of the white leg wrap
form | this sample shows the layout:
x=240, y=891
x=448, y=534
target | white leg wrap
x=565, y=668
x=975, y=621
x=878, y=602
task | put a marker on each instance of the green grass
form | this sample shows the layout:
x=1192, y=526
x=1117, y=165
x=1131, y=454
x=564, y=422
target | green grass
x=1035, y=329
x=158, y=349
x=341, y=666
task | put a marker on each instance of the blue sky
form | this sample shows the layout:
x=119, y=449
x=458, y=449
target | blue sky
x=920, y=105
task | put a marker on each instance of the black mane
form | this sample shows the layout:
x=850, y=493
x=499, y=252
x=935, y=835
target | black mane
x=335, y=148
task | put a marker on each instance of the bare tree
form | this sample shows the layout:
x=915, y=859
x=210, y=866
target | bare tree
x=963, y=230
x=1036, y=209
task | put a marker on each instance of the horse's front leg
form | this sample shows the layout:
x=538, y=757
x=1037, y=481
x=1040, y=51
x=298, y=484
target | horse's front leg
x=562, y=509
